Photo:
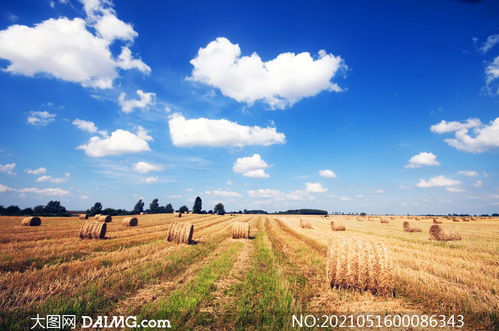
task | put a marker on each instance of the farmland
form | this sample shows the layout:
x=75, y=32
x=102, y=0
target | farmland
x=220, y=282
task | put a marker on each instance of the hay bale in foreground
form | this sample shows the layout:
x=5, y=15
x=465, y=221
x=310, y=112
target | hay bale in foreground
x=93, y=230
x=359, y=264
x=410, y=228
x=96, y=216
x=437, y=221
x=181, y=233
x=384, y=220
x=442, y=233
x=305, y=224
x=105, y=218
x=130, y=221
x=337, y=226
x=31, y=221
x=240, y=230
x=83, y=216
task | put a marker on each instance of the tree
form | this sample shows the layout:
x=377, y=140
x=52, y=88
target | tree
x=183, y=209
x=219, y=209
x=169, y=208
x=38, y=210
x=154, y=207
x=198, y=206
x=54, y=208
x=12, y=211
x=27, y=211
x=139, y=207
x=96, y=209
x=2, y=210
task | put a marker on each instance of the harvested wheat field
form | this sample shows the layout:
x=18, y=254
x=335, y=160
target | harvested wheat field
x=219, y=282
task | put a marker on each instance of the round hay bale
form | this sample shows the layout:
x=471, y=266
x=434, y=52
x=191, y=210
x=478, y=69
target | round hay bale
x=359, y=264
x=83, y=216
x=373, y=218
x=437, y=221
x=96, y=216
x=410, y=228
x=141, y=213
x=179, y=215
x=384, y=220
x=360, y=219
x=105, y=218
x=181, y=233
x=240, y=230
x=442, y=233
x=337, y=226
x=31, y=221
x=305, y=224
x=455, y=219
x=130, y=221
x=93, y=230
x=465, y=219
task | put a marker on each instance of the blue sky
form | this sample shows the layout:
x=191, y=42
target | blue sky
x=382, y=107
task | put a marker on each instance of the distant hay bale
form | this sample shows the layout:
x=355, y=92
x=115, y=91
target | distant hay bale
x=360, y=219
x=465, y=219
x=31, y=221
x=410, y=228
x=130, y=221
x=442, y=233
x=105, y=218
x=373, y=218
x=97, y=216
x=83, y=216
x=392, y=217
x=141, y=213
x=181, y=233
x=455, y=219
x=337, y=226
x=417, y=218
x=437, y=221
x=240, y=230
x=384, y=220
x=359, y=264
x=93, y=230
x=179, y=215
x=305, y=224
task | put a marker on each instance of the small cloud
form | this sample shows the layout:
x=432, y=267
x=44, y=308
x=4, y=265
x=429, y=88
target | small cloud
x=478, y=183
x=222, y=193
x=50, y=179
x=491, y=41
x=4, y=188
x=423, y=159
x=150, y=180
x=145, y=167
x=251, y=166
x=174, y=196
x=40, y=118
x=454, y=189
x=8, y=168
x=405, y=187
x=39, y=171
x=327, y=173
x=84, y=197
x=315, y=188
x=379, y=191
x=438, y=181
x=468, y=173
x=345, y=199
x=145, y=100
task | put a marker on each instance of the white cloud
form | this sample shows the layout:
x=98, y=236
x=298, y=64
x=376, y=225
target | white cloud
x=39, y=171
x=491, y=41
x=486, y=137
x=39, y=118
x=405, y=187
x=120, y=142
x=88, y=126
x=454, y=189
x=478, y=183
x=438, y=181
x=264, y=193
x=50, y=179
x=150, y=180
x=222, y=193
x=8, y=168
x=67, y=49
x=327, y=173
x=145, y=99
x=494, y=196
x=445, y=127
x=46, y=191
x=315, y=188
x=280, y=82
x=468, y=173
x=379, y=191
x=4, y=188
x=145, y=167
x=251, y=166
x=218, y=133
x=84, y=197
x=492, y=73
x=422, y=159
x=127, y=62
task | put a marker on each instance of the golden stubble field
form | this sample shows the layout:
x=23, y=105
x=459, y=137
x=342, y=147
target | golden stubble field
x=224, y=283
